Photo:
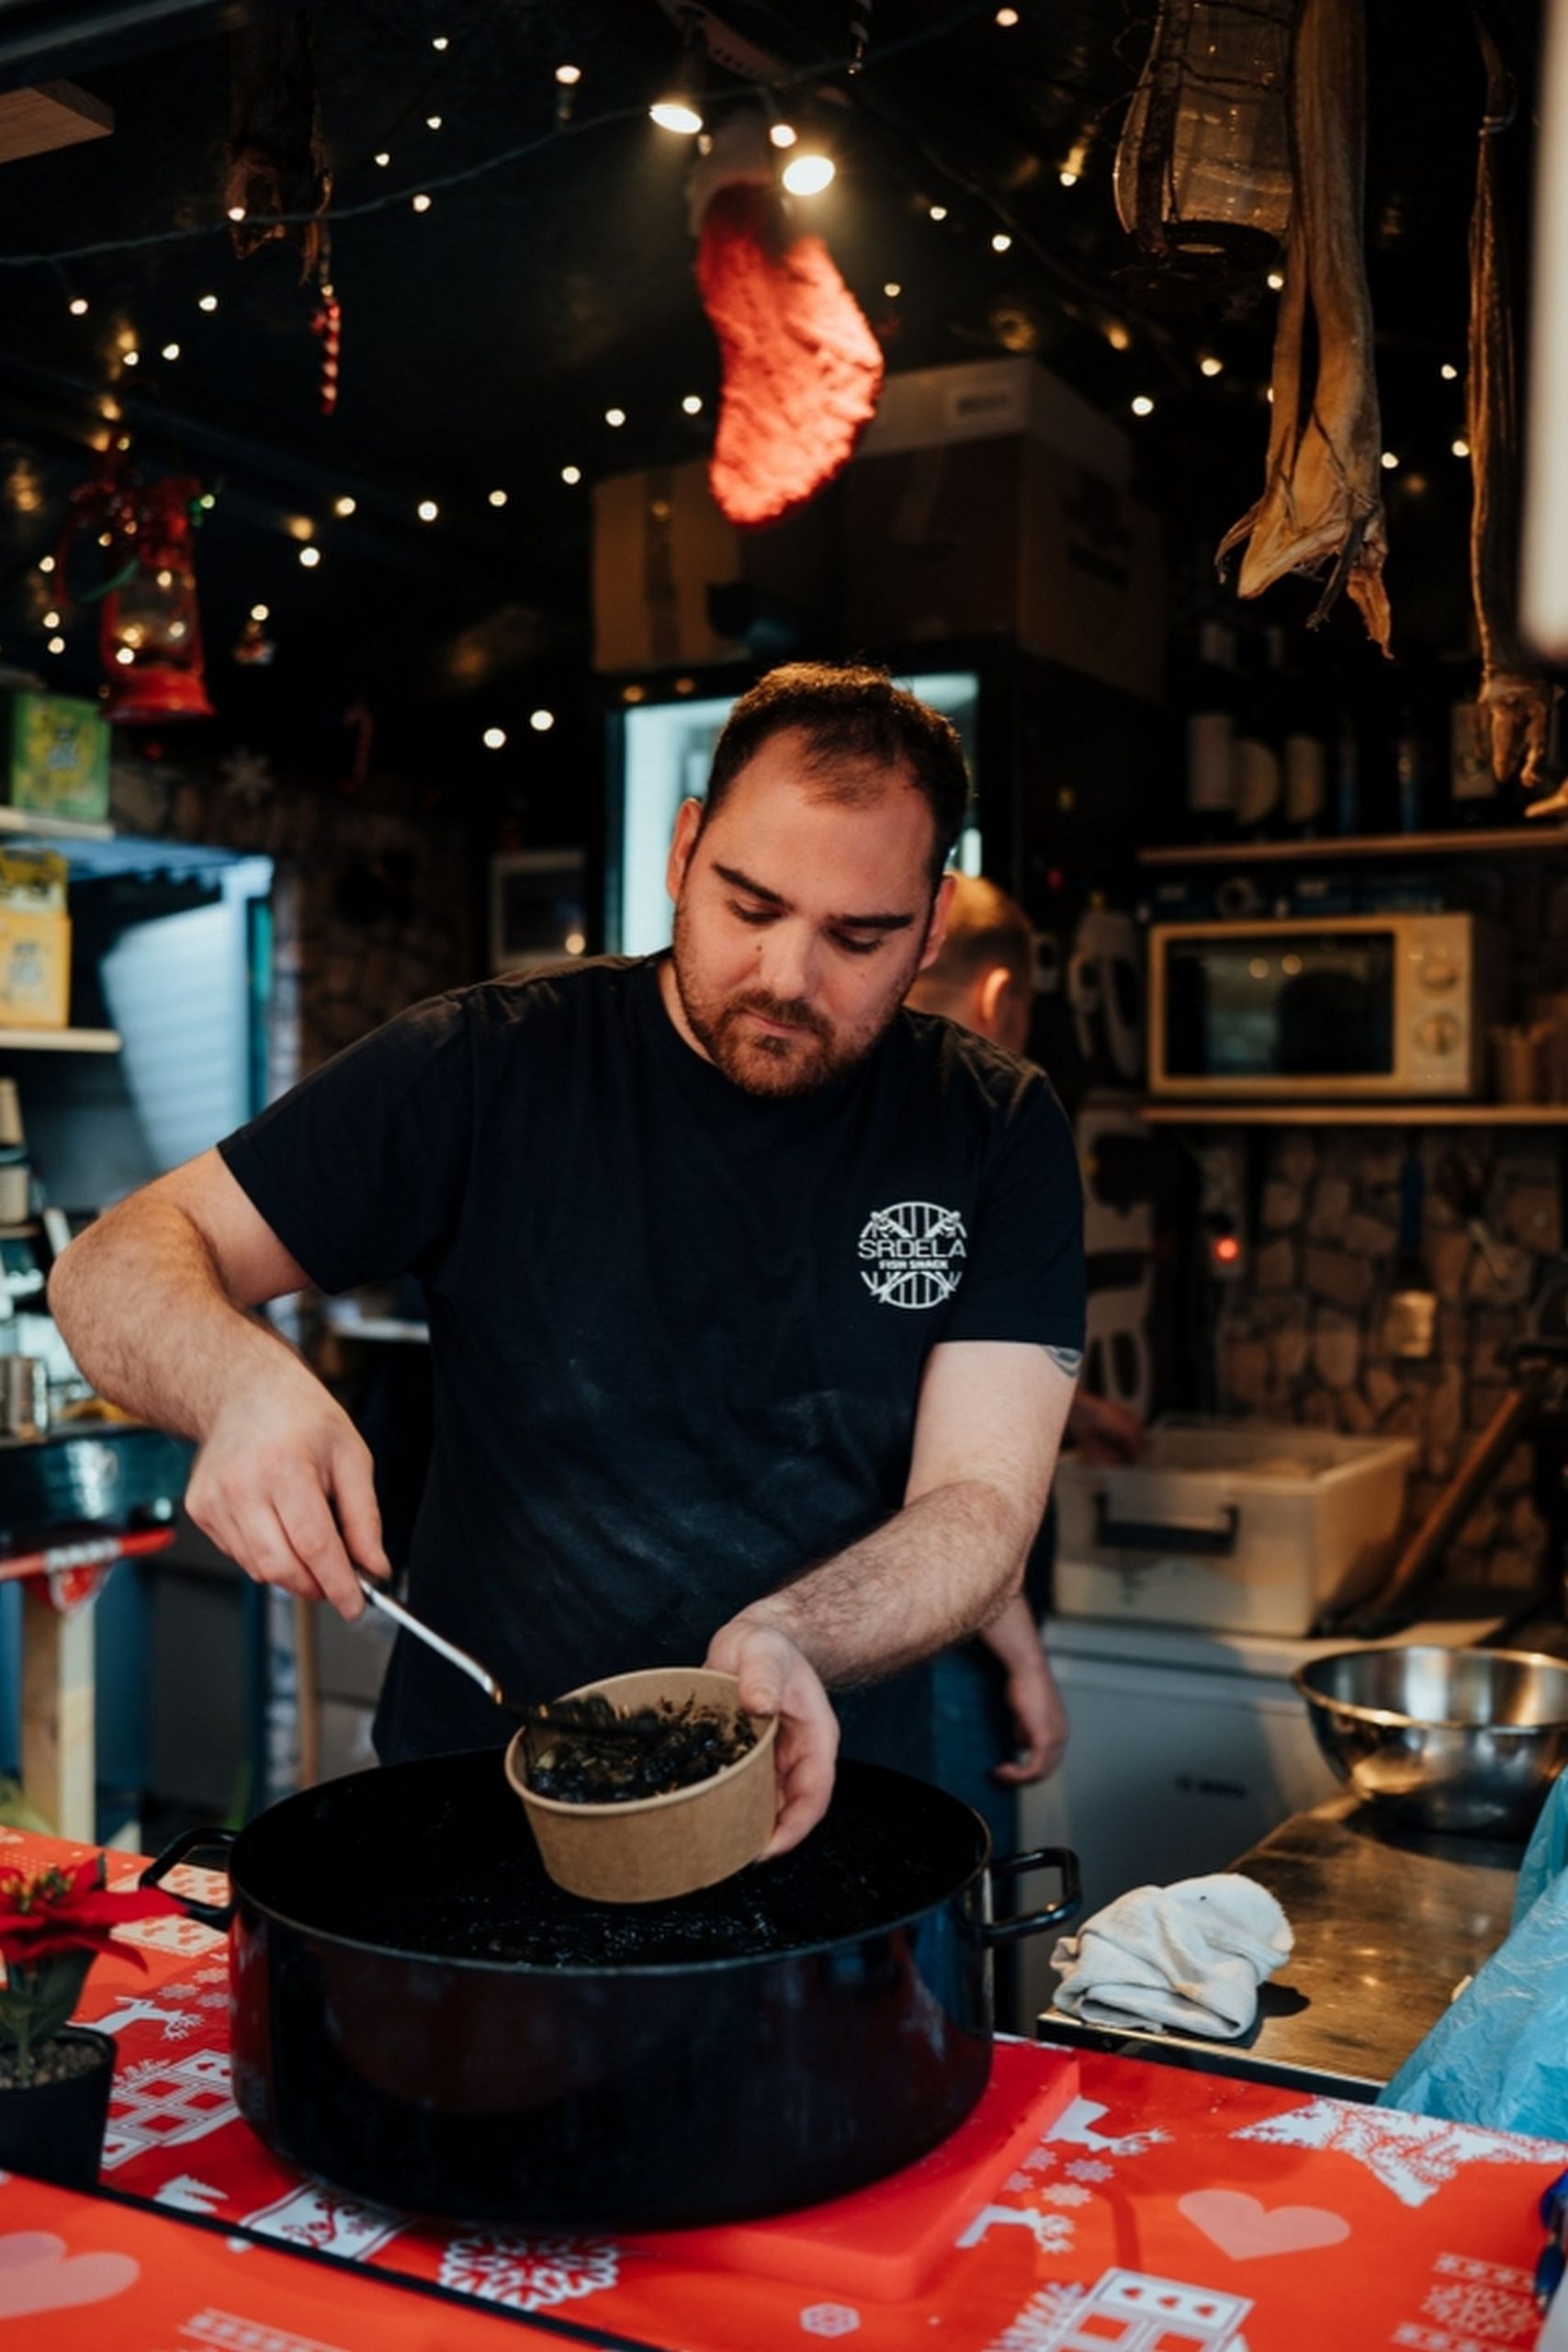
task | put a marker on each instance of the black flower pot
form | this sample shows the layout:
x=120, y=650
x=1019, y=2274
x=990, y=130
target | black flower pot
x=55, y=2131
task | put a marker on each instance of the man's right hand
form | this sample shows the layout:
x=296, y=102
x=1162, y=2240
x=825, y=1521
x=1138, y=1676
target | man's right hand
x=283, y=1483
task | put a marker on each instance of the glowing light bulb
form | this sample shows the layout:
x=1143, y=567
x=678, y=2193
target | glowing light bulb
x=1143, y=406
x=809, y=174
x=1275, y=281
x=46, y=564
x=165, y=578
x=571, y=475
x=1118, y=336
x=422, y=204
x=692, y=403
x=783, y=134
x=541, y=721
x=439, y=41
x=1388, y=461
x=498, y=498
x=207, y=302
x=52, y=620
x=260, y=612
x=77, y=306
x=433, y=122
x=207, y=501
x=1461, y=448
x=124, y=655
x=678, y=115
x=1001, y=242
x=569, y=75
x=345, y=505
x=1447, y=371
x=1007, y=18
x=428, y=510
x=236, y=213
x=574, y=942
x=495, y=738
x=171, y=351
x=309, y=558
x=893, y=289
x=383, y=159
x=57, y=645
x=131, y=358
x=939, y=212
x=1211, y=367
x=615, y=417
x=1067, y=177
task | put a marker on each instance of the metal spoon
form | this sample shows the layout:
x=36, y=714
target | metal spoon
x=594, y=1716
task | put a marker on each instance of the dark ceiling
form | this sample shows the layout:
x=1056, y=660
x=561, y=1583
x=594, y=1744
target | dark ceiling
x=484, y=338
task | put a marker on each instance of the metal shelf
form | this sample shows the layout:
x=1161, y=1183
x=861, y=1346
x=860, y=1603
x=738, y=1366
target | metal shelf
x=1353, y=1115
x=34, y=823
x=1510, y=841
x=60, y=1041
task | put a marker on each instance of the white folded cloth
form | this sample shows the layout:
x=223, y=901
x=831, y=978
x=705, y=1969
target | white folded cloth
x=1187, y=1958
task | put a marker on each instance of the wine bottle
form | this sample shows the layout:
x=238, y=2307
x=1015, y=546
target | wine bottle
x=1259, y=765
x=1210, y=735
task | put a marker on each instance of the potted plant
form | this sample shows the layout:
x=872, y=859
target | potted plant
x=55, y=2076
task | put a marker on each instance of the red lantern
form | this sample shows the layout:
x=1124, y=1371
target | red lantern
x=150, y=637
x=150, y=628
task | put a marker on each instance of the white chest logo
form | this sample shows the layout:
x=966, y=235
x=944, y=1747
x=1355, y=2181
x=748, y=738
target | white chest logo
x=914, y=1253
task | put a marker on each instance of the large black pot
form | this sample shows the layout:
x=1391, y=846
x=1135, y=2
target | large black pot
x=422, y=2018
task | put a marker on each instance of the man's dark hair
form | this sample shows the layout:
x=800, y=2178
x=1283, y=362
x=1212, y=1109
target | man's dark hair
x=856, y=723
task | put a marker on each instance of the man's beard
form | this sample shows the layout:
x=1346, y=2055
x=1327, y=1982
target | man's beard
x=812, y=1057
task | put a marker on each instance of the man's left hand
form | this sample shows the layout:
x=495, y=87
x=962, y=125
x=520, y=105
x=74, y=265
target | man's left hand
x=1040, y=1723
x=777, y=1678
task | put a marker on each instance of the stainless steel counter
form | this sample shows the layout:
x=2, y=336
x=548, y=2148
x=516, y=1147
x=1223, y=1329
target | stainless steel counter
x=1387, y=1924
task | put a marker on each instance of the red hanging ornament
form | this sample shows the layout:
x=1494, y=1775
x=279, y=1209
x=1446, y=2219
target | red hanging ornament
x=802, y=369
x=149, y=626
x=327, y=322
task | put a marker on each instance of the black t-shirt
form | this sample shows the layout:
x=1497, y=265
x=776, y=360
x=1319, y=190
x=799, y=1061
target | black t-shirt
x=677, y=1329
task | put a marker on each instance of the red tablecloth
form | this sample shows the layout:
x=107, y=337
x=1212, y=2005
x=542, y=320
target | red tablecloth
x=1161, y=2212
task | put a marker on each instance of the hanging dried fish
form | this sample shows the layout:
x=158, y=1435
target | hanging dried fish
x=1322, y=500
x=1514, y=705
x=276, y=168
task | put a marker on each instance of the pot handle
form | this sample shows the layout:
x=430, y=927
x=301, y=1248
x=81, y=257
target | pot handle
x=1030, y=1923
x=193, y=1841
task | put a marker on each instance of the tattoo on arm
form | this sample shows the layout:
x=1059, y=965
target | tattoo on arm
x=1066, y=1359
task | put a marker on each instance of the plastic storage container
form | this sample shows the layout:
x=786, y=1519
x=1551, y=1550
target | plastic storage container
x=1235, y=1526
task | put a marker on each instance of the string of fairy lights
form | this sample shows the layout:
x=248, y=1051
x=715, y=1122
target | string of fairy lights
x=682, y=110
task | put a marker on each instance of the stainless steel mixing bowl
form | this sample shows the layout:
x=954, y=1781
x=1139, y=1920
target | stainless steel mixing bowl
x=1442, y=1739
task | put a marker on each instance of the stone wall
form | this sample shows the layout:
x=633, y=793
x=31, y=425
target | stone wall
x=373, y=898
x=1302, y=1338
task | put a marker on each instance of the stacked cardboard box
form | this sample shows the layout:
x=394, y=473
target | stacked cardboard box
x=34, y=940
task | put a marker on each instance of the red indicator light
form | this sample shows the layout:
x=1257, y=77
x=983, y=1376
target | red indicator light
x=1227, y=1249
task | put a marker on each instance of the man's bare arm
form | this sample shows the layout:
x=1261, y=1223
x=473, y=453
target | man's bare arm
x=152, y=1300
x=987, y=1432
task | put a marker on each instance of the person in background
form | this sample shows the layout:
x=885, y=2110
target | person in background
x=996, y=1694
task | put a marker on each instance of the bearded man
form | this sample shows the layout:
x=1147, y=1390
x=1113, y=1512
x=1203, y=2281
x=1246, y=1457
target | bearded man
x=755, y=1301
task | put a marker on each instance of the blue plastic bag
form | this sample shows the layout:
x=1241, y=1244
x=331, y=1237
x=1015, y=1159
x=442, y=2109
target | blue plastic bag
x=1499, y=2057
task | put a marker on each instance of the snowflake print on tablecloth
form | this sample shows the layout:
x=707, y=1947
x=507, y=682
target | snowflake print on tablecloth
x=528, y=2273
x=1487, y=2312
x=1066, y=2192
x=1089, y=2168
x=1040, y=2159
x=1414, y=2155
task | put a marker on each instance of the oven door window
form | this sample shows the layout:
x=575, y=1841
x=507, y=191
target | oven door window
x=1266, y=1006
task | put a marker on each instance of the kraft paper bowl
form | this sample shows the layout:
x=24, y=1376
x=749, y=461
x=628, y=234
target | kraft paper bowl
x=646, y=1849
